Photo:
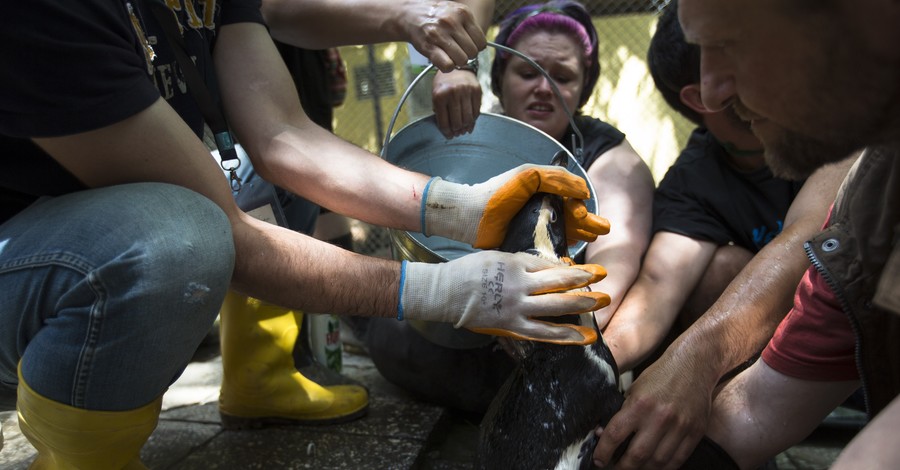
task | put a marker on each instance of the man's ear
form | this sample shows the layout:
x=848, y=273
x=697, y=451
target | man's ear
x=690, y=96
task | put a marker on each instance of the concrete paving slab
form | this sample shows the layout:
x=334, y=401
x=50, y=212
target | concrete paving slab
x=17, y=452
x=453, y=443
x=398, y=433
x=291, y=448
x=819, y=450
x=189, y=435
x=174, y=441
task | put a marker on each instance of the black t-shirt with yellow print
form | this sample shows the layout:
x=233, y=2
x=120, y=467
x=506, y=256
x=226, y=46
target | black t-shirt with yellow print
x=72, y=67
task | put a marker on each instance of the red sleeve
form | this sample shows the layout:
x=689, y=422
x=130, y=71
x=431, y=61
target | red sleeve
x=815, y=341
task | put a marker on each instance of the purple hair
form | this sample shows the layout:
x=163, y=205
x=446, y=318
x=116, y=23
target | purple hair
x=553, y=21
x=556, y=15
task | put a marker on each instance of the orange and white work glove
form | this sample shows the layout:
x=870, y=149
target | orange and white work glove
x=501, y=293
x=479, y=214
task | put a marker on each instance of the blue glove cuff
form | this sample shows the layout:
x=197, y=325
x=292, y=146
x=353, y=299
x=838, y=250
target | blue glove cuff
x=400, y=293
x=424, y=200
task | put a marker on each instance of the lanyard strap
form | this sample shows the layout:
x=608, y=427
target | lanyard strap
x=212, y=112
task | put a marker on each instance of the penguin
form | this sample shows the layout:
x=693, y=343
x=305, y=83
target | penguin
x=545, y=414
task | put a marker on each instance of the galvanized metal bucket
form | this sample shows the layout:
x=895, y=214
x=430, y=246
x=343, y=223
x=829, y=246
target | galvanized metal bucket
x=497, y=144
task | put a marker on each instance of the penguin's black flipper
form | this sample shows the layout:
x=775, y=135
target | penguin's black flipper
x=585, y=455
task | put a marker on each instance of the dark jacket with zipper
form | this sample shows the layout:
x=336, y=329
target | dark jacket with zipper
x=858, y=256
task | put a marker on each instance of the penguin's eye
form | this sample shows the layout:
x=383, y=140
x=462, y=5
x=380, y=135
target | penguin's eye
x=552, y=216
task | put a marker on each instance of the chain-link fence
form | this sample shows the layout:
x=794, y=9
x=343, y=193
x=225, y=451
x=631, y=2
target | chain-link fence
x=625, y=95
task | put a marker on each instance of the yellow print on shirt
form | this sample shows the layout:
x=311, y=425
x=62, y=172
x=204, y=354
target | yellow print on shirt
x=195, y=21
x=167, y=77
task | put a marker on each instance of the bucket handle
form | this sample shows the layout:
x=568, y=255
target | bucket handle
x=577, y=138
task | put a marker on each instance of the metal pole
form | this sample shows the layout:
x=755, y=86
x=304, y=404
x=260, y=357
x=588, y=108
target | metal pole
x=376, y=93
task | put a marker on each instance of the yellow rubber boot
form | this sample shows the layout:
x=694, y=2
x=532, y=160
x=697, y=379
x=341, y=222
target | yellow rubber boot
x=73, y=438
x=261, y=384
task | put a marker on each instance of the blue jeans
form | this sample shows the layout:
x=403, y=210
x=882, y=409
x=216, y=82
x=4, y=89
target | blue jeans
x=108, y=292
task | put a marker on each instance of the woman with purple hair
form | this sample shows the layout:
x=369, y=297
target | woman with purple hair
x=561, y=38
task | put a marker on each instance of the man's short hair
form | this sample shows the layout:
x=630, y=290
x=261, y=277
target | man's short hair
x=673, y=62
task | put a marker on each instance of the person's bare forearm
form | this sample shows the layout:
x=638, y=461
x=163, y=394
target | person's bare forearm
x=446, y=32
x=314, y=24
x=318, y=24
x=758, y=414
x=483, y=11
x=636, y=327
x=740, y=323
x=289, y=150
x=293, y=270
x=672, y=267
x=359, y=184
x=624, y=192
x=745, y=316
x=621, y=273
